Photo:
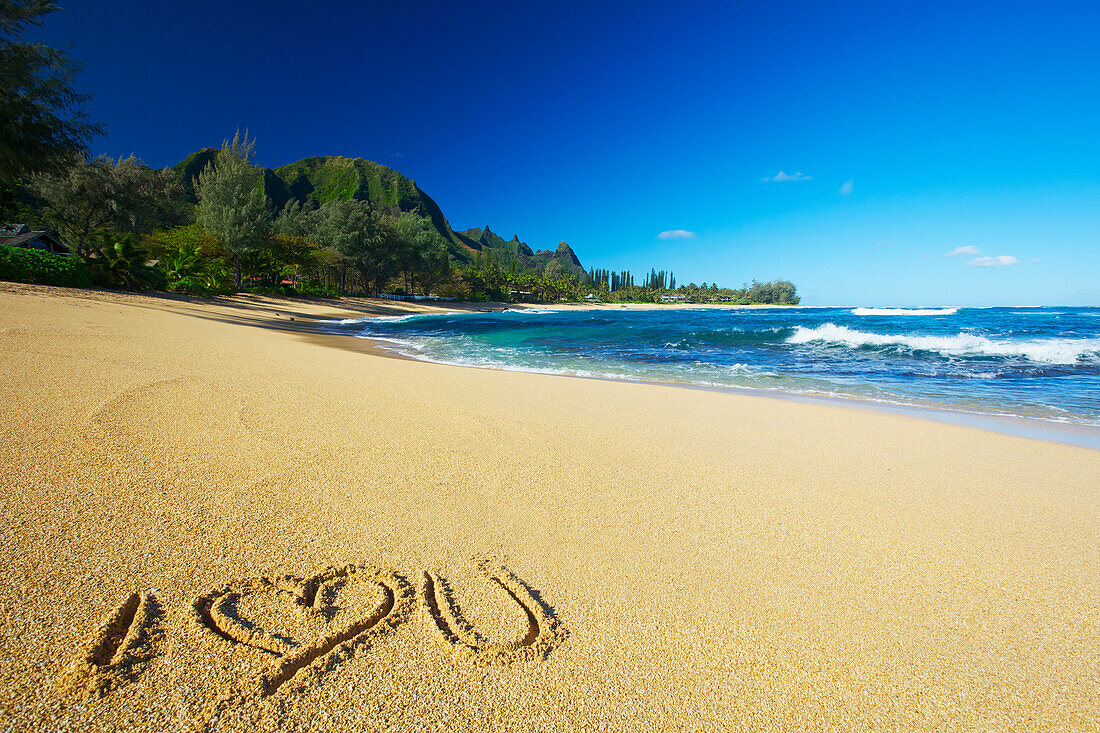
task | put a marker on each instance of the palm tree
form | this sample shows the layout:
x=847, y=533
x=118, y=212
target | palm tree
x=120, y=261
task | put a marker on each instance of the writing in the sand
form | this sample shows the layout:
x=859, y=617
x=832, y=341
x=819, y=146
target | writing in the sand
x=332, y=615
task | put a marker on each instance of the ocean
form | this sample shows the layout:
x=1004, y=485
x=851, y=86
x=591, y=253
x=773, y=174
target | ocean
x=1041, y=363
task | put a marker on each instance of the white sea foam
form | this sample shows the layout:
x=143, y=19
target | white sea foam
x=904, y=311
x=403, y=346
x=1045, y=351
x=391, y=319
x=373, y=319
x=343, y=321
x=499, y=364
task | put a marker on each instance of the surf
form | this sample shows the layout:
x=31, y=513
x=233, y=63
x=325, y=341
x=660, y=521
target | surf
x=1042, y=351
x=904, y=311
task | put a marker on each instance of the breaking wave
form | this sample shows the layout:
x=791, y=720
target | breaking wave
x=1044, y=351
x=904, y=311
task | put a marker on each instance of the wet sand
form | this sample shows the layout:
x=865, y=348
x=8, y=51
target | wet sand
x=215, y=518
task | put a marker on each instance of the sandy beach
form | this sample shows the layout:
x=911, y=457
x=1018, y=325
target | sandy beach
x=215, y=518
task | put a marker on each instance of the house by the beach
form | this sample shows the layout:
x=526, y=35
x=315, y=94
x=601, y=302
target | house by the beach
x=18, y=235
x=673, y=298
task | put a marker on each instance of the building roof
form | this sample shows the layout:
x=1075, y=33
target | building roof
x=24, y=238
x=10, y=230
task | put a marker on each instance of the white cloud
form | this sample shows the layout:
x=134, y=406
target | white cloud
x=676, y=234
x=780, y=177
x=967, y=250
x=998, y=261
x=847, y=187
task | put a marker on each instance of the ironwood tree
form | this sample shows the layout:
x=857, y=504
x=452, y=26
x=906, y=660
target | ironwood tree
x=232, y=204
x=43, y=126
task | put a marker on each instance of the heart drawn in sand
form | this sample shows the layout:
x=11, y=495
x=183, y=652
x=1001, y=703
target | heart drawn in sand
x=297, y=620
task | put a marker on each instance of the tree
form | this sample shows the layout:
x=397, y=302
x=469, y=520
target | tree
x=119, y=262
x=409, y=235
x=364, y=241
x=90, y=195
x=42, y=126
x=421, y=252
x=436, y=264
x=232, y=205
x=296, y=220
x=192, y=260
x=777, y=291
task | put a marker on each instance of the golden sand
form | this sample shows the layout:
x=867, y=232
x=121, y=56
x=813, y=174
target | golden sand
x=214, y=519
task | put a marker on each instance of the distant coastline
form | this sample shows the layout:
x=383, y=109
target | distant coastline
x=645, y=306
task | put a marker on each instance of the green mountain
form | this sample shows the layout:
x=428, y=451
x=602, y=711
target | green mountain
x=486, y=239
x=187, y=170
x=325, y=178
x=504, y=250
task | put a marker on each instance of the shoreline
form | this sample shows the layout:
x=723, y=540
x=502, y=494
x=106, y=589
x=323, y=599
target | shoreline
x=312, y=312
x=1064, y=432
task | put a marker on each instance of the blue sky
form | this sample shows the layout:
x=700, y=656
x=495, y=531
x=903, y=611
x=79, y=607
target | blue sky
x=903, y=131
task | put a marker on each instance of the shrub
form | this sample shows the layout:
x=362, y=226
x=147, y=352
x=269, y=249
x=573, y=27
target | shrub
x=37, y=266
x=118, y=261
x=198, y=286
x=309, y=287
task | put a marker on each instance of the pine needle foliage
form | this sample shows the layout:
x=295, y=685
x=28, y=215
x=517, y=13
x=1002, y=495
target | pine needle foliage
x=42, y=125
x=232, y=205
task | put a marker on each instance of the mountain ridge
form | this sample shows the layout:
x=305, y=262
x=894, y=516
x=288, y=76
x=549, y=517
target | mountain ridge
x=319, y=179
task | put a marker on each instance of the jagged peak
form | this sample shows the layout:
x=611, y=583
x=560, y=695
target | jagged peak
x=566, y=252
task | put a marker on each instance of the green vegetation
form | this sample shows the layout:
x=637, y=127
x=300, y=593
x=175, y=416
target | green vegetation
x=42, y=125
x=360, y=240
x=232, y=205
x=120, y=262
x=36, y=266
x=90, y=195
x=660, y=286
x=193, y=261
x=422, y=256
x=489, y=246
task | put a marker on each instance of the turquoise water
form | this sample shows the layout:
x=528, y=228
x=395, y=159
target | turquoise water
x=1025, y=362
